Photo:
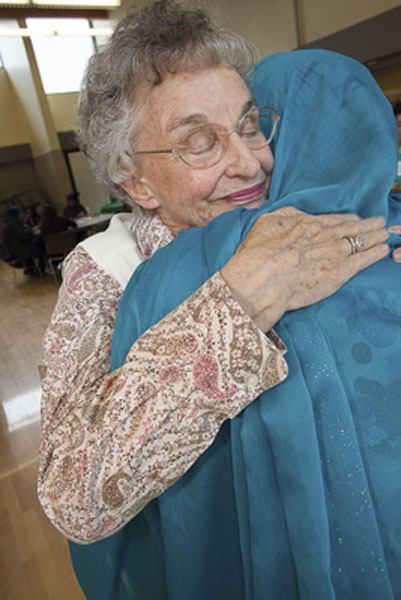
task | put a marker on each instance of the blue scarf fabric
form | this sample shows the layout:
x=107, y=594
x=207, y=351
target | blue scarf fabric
x=299, y=496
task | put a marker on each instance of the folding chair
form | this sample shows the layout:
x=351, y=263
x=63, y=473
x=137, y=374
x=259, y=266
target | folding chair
x=57, y=246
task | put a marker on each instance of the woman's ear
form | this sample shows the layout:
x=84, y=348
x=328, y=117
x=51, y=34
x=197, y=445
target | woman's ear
x=140, y=193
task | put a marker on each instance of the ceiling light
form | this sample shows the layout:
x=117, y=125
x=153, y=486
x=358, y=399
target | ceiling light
x=93, y=4
x=24, y=32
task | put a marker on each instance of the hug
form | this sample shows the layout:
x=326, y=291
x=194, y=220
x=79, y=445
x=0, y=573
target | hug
x=221, y=410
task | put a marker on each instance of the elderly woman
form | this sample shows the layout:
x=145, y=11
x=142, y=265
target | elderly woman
x=165, y=114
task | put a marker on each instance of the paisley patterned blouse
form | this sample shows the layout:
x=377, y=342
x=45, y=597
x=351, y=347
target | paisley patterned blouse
x=111, y=442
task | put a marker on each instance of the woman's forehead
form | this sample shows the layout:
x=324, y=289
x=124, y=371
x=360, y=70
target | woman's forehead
x=212, y=94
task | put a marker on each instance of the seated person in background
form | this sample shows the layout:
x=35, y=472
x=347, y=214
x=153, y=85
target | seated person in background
x=22, y=244
x=74, y=209
x=33, y=217
x=52, y=223
x=397, y=114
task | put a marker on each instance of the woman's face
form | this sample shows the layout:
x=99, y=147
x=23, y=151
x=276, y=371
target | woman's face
x=183, y=196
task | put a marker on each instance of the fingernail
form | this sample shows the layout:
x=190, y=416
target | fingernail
x=384, y=249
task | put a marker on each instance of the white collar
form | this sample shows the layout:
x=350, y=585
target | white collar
x=128, y=240
x=115, y=250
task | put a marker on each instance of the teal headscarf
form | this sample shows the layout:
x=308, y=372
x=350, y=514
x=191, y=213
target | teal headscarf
x=299, y=496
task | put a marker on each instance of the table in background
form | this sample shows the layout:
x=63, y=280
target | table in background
x=87, y=226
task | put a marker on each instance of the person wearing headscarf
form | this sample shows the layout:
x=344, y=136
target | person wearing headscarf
x=297, y=497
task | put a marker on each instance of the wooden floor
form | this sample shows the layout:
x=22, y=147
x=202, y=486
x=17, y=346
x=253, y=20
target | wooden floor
x=34, y=560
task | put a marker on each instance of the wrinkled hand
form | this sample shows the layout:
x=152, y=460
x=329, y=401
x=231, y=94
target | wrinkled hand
x=290, y=259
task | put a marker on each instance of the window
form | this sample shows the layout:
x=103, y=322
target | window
x=61, y=59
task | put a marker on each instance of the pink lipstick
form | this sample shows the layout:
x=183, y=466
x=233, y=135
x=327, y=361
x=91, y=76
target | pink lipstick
x=246, y=195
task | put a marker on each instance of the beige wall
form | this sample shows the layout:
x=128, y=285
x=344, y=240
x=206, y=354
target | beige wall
x=391, y=84
x=92, y=194
x=19, y=179
x=63, y=108
x=269, y=24
x=319, y=18
x=14, y=128
x=21, y=68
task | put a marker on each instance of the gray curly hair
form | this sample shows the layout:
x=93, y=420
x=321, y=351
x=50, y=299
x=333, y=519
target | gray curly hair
x=161, y=38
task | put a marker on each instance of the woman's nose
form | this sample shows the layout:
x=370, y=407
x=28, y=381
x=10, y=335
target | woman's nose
x=240, y=159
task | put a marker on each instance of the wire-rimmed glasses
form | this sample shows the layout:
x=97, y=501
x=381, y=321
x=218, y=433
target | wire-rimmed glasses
x=205, y=145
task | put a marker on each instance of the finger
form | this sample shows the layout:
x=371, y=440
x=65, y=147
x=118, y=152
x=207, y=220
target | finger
x=368, y=240
x=359, y=227
x=288, y=210
x=362, y=260
x=396, y=255
x=337, y=218
x=395, y=229
x=339, y=250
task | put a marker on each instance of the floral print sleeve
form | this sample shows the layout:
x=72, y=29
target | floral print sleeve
x=111, y=442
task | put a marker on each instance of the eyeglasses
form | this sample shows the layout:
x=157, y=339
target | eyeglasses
x=205, y=145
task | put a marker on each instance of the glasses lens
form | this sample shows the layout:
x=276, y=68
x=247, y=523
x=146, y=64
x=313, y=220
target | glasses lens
x=205, y=145
x=201, y=147
x=258, y=127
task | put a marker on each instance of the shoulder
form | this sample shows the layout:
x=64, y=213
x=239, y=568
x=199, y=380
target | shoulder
x=87, y=302
x=84, y=279
x=81, y=326
x=115, y=251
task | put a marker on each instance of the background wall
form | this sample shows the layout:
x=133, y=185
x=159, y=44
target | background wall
x=14, y=127
x=63, y=108
x=48, y=163
x=391, y=84
x=270, y=25
x=18, y=181
x=92, y=194
x=319, y=18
